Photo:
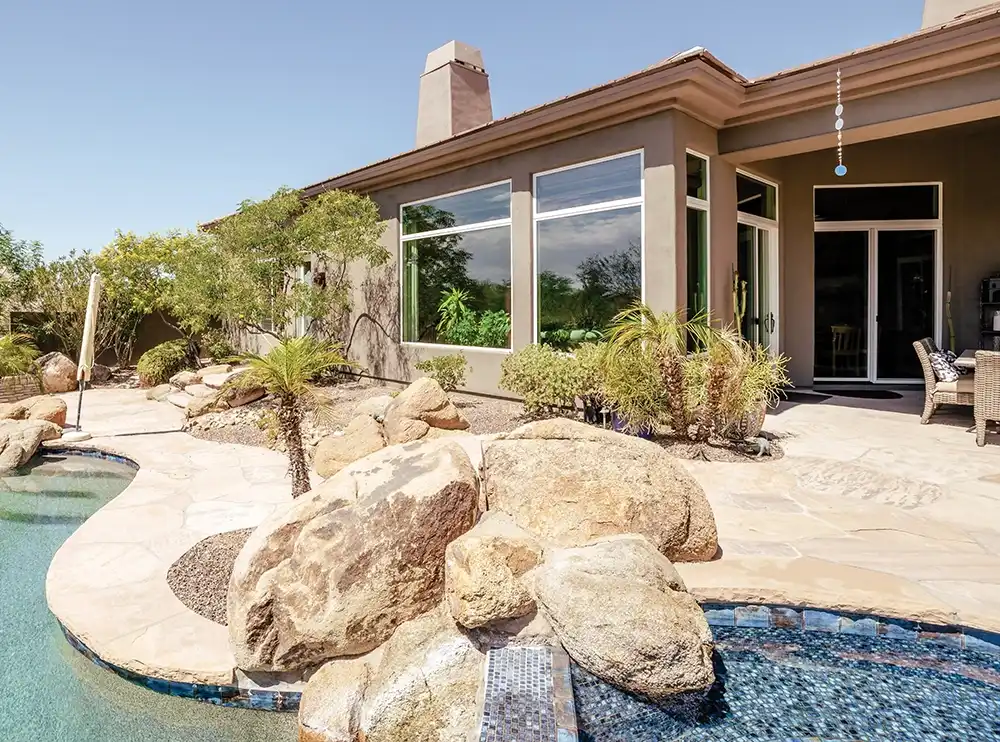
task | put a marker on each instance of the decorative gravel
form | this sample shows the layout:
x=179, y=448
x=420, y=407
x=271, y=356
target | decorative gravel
x=200, y=578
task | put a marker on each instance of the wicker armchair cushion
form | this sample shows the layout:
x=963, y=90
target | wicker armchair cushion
x=944, y=370
x=962, y=370
x=966, y=384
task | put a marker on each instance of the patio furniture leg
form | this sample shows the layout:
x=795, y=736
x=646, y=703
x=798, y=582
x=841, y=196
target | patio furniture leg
x=980, y=433
x=929, y=408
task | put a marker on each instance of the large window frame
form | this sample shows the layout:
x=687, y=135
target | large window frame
x=596, y=208
x=466, y=228
x=703, y=205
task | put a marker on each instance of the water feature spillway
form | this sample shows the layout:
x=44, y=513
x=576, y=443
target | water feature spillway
x=47, y=689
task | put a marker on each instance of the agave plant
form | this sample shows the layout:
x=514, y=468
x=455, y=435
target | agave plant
x=17, y=354
x=287, y=372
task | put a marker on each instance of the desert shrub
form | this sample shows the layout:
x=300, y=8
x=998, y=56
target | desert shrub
x=17, y=354
x=158, y=364
x=216, y=345
x=631, y=386
x=549, y=380
x=448, y=371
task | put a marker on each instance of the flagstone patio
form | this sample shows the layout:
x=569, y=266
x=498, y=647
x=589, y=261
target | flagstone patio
x=867, y=512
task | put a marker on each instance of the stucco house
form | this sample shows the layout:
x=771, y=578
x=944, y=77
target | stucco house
x=665, y=183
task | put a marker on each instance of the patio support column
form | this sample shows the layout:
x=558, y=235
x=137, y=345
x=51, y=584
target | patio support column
x=663, y=178
x=722, y=233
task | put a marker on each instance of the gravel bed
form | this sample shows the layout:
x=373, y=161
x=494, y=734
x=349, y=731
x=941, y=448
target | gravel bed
x=200, y=578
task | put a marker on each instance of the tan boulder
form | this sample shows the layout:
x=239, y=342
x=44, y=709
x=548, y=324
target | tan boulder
x=19, y=439
x=483, y=570
x=374, y=406
x=421, y=686
x=41, y=407
x=200, y=390
x=569, y=484
x=219, y=368
x=631, y=629
x=331, y=702
x=58, y=373
x=334, y=572
x=363, y=436
x=419, y=407
x=230, y=397
x=199, y=405
x=160, y=392
x=184, y=379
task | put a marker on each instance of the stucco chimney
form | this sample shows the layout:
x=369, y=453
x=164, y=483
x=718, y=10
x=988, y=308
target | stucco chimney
x=937, y=12
x=454, y=93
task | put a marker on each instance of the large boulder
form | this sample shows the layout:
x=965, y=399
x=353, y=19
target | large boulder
x=58, y=373
x=100, y=373
x=19, y=439
x=418, y=408
x=483, y=570
x=362, y=437
x=184, y=379
x=338, y=569
x=616, y=609
x=160, y=392
x=423, y=686
x=569, y=484
x=374, y=406
x=41, y=407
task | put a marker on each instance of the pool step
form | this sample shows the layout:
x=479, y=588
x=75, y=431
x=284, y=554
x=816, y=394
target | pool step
x=527, y=696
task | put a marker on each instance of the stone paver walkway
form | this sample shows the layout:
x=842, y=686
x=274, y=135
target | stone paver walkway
x=107, y=583
x=868, y=511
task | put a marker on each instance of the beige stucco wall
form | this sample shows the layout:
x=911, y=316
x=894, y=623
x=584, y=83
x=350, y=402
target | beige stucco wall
x=377, y=346
x=964, y=159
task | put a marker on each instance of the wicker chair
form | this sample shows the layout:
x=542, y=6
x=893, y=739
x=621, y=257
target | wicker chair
x=987, y=405
x=942, y=392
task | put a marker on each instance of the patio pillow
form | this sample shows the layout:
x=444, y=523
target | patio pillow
x=944, y=370
x=951, y=359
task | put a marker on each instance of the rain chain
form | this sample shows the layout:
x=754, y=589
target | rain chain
x=841, y=169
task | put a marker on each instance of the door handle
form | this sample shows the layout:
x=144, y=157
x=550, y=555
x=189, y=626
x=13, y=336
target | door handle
x=770, y=320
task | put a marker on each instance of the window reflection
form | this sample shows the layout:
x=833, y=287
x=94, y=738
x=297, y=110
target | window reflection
x=611, y=180
x=473, y=207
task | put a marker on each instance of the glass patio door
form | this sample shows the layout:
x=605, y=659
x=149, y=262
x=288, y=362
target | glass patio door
x=904, y=291
x=841, y=309
x=756, y=262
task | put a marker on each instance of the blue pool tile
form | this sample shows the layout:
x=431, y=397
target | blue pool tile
x=820, y=621
x=896, y=629
x=720, y=616
x=982, y=641
x=949, y=638
x=858, y=625
x=786, y=618
x=753, y=616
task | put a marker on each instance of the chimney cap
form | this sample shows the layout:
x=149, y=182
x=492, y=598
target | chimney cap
x=455, y=51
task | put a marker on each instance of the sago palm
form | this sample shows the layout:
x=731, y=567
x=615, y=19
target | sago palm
x=287, y=372
x=17, y=354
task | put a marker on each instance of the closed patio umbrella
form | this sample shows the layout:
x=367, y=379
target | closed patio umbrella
x=86, y=365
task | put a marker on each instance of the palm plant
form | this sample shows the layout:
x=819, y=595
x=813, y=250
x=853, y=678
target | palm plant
x=17, y=354
x=287, y=372
x=665, y=336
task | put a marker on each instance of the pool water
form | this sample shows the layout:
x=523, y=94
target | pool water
x=48, y=691
x=780, y=684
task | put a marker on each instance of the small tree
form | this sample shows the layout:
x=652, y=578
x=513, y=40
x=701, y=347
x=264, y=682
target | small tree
x=61, y=289
x=262, y=247
x=18, y=261
x=287, y=372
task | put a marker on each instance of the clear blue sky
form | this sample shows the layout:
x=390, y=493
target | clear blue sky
x=145, y=116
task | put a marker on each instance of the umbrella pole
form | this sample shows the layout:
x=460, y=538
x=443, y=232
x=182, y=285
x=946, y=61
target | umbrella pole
x=79, y=402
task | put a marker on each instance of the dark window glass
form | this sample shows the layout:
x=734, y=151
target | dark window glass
x=756, y=198
x=697, y=177
x=841, y=309
x=472, y=207
x=589, y=269
x=474, y=263
x=874, y=203
x=697, y=262
x=611, y=180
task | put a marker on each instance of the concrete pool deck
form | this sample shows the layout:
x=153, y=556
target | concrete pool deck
x=868, y=512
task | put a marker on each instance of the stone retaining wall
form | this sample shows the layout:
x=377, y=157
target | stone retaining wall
x=16, y=388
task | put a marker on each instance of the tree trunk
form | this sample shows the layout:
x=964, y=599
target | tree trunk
x=290, y=425
x=672, y=373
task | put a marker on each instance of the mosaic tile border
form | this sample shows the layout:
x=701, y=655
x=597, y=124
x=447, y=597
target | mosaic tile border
x=527, y=696
x=756, y=616
x=87, y=452
x=219, y=695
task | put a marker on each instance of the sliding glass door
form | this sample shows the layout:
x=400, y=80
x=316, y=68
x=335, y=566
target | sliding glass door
x=905, y=299
x=841, y=309
x=756, y=263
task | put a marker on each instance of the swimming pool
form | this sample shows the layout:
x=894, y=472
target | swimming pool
x=49, y=690
x=785, y=685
